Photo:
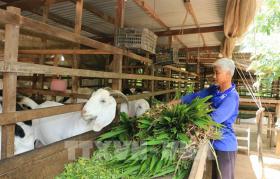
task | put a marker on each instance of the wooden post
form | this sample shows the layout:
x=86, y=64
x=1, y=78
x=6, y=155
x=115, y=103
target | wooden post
x=76, y=58
x=152, y=82
x=118, y=59
x=277, y=130
x=197, y=86
x=169, y=74
x=10, y=84
x=259, y=118
x=44, y=46
x=277, y=150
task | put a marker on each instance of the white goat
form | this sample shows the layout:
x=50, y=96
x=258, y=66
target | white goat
x=24, y=141
x=98, y=112
x=136, y=107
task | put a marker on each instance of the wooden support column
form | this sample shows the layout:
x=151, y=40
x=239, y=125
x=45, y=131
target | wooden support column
x=146, y=72
x=9, y=84
x=197, y=86
x=76, y=58
x=259, y=118
x=44, y=46
x=277, y=130
x=169, y=75
x=118, y=59
x=152, y=82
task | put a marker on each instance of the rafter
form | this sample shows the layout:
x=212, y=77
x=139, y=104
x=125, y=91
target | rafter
x=148, y=10
x=91, y=8
x=189, y=8
x=190, y=31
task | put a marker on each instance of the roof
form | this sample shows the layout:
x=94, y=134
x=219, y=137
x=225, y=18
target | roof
x=172, y=13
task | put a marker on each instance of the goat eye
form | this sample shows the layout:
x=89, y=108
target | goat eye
x=103, y=101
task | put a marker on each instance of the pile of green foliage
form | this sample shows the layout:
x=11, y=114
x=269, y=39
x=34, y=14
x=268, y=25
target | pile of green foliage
x=162, y=142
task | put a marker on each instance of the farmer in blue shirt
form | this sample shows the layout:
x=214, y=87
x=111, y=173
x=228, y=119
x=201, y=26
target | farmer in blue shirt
x=225, y=102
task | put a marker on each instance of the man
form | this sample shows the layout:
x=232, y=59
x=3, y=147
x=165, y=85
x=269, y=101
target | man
x=225, y=102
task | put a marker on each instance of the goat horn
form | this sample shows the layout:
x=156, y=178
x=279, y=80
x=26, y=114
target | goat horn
x=117, y=93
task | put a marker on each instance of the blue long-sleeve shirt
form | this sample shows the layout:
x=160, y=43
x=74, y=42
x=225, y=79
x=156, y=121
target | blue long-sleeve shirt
x=225, y=106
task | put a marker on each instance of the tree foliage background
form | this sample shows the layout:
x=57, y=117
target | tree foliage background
x=263, y=40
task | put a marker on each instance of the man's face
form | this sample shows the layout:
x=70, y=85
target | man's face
x=221, y=76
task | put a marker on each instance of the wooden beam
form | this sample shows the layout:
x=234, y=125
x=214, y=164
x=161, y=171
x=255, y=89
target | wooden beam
x=179, y=70
x=77, y=30
x=150, y=11
x=44, y=161
x=189, y=8
x=118, y=59
x=20, y=116
x=65, y=52
x=190, y=31
x=84, y=52
x=9, y=85
x=91, y=8
x=212, y=48
x=19, y=67
x=269, y=101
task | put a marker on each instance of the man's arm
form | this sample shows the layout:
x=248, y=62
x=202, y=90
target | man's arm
x=190, y=97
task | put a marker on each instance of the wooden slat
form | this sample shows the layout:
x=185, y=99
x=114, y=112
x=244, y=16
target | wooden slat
x=198, y=166
x=179, y=70
x=211, y=48
x=20, y=116
x=249, y=100
x=9, y=85
x=190, y=31
x=20, y=67
x=14, y=166
x=65, y=52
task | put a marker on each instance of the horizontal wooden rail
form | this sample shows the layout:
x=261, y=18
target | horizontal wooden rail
x=46, y=29
x=179, y=70
x=65, y=52
x=269, y=101
x=20, y=116
x=19, y=67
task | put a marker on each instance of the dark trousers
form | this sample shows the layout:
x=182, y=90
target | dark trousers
x=226, y=162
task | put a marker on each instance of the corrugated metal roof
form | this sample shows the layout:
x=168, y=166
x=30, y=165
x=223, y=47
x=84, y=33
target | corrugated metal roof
x=171, y=12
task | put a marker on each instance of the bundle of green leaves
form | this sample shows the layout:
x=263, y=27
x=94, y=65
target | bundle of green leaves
x=162, y=142
x=165, y=136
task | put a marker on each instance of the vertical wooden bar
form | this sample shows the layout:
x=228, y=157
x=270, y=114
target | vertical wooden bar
x=76, y=58
x=197, y=86
x=152, y=82
x=146, y=72
x=118, y=59
x=9, y=84
x=259, y=118
x=44, y=46
x=277, y=129
x=169, y=74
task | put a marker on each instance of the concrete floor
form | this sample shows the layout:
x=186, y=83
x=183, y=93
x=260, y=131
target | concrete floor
x=247, y=165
